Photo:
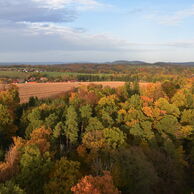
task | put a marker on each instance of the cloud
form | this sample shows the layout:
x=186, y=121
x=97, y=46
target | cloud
x=54, y=42
x=182, y=44
x=32, y=11
x=27, y=36
x=39, y=26
x=35, y=30
x=44, y=10
x=76, y=4
x=37, y=41
x=41, y=42
x=172, y=18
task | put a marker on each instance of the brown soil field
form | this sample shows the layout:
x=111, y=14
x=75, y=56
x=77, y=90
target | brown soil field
x=45, y=90
x=4, y=86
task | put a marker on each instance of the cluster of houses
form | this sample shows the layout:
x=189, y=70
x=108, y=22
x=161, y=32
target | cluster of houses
x=29, y=70
x=31, y=80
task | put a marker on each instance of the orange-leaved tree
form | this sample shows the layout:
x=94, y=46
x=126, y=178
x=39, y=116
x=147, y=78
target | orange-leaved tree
x=96, y=185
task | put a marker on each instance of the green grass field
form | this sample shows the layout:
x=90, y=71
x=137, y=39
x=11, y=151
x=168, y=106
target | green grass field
x=23, y=75
x=13, y=74
x=61, y=74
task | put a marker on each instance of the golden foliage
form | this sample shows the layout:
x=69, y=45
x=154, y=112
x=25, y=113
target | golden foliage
x=40, y=137
x=10, y=167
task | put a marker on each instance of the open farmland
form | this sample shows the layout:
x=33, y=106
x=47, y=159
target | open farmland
x=14, y=74
x=45, y=90
x=23, y=75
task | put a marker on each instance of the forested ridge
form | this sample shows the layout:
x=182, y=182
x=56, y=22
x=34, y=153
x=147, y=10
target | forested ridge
x=97, y=140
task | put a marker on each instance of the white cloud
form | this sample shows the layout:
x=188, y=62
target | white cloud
x=27, y=36
x=51, y=42
x=31, y=11
x=44, y=10
x=182, y=44
x=39, y=26
x=34, y=30
x=172, y=18
x=80, y=4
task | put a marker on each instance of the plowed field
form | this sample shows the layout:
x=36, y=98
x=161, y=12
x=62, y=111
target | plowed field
x=45, y=90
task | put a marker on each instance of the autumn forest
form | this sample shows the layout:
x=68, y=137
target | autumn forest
x=96, y=140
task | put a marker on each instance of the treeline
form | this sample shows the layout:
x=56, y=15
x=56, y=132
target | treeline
x=108, y=72
x=99, y=140
x=103, y=77
x=83, y=77
x=109, y=68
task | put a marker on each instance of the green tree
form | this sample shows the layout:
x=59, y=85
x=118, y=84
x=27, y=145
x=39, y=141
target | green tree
x=169, y=88
x=164, y=105
x=7, y=127
x=106, y=118
x=10, y=97
x=94, y=124
x=143, y=130
x=85, y=113
x=132, y=172
x=10, y=188
x=135, y=102
x=127, y=90
x=59, y=130
x=136, y=89
x=51, y=121
x=114, y=137
x=170, y=172
x=58, y=134
x=64, y=174
x=35, y=120
x=179, y=100
x=109, y=138
x=34, y=169
x=183, y=99
x=168, y=125
x=187, y=117
x=71, y=126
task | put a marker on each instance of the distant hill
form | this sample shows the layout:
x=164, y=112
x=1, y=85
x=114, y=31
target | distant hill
x=123, y=62
x=30, y=63
x=119, y=62
x=175, y=63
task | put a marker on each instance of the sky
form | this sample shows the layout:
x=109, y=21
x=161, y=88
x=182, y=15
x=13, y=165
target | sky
x=96, y=30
